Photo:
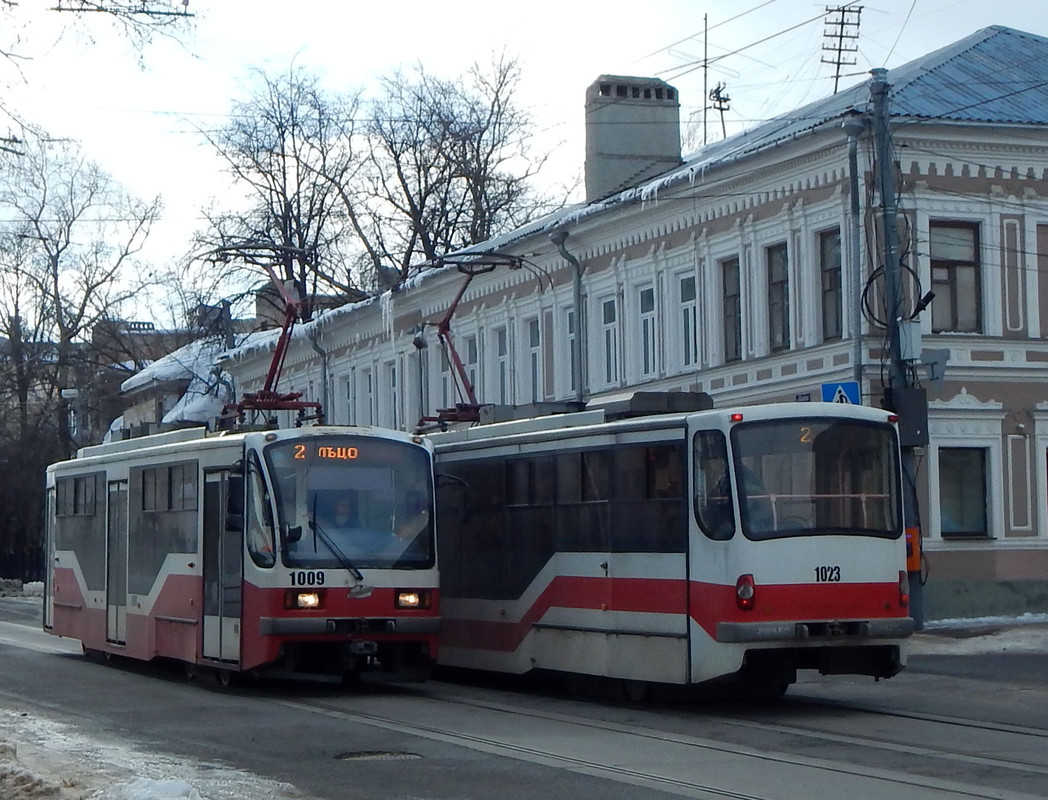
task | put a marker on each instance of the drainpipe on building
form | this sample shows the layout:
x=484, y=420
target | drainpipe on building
x=314, y=336
x=559, y=237
x=853, y=126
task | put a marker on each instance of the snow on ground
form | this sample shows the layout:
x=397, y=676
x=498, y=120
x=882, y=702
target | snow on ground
x=45, y=760
x=40, y=758
x=1027, y=633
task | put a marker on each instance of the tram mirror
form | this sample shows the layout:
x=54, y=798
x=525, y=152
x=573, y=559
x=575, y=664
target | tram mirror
x=289, y=535
x=444, y=479
x=456, y=491
x=237, y=468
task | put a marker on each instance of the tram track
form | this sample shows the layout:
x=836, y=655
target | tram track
x=657, y=755
x=942, y=719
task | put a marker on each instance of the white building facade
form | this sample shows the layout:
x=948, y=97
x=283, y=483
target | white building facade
x=732, y=273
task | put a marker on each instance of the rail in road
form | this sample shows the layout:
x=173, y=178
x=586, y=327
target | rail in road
x=825, y=740
x=664, y=757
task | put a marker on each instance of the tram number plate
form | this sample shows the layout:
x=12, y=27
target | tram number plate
x=828, y=574
x=307, y=578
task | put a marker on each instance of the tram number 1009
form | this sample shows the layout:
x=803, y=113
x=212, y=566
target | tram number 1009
x=307, y=578
x=828, y=574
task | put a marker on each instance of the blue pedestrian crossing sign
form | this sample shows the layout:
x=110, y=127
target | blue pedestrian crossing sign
x=843, y=392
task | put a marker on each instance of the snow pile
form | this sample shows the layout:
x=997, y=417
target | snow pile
x=145, y=789
x=44, y=759
x=17, y=783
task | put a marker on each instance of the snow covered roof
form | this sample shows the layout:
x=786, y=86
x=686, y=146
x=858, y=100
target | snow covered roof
x=992, y=76
x=195, y=358
x=995, y=75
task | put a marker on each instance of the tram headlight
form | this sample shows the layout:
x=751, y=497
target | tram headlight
x=297, y=599
x=413, y=599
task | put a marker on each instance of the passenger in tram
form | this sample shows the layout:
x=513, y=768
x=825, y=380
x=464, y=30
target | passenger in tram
x=343, y=517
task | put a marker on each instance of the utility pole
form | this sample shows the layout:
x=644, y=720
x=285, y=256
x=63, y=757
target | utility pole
x=705, y=71
x=839, y=40
x=908, y=402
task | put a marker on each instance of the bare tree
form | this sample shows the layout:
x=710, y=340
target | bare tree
x=138, y=20
x=449, y=165
x=68, y=261
x=438, y=165
x=280, y=145
x=68, y=250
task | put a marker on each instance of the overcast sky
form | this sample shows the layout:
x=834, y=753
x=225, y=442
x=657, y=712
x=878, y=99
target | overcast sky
x=141, y=122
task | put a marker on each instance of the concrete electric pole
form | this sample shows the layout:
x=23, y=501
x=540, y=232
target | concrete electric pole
x=910, y=403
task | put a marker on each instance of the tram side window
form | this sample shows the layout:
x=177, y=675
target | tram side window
x=80, y=524
x=596, y=475
x=259, y=518
x=75, y=496
x=712, y=493
x=648, y=507
x=569, y=478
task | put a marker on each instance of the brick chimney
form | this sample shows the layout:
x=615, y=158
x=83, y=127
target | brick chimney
x=632, y=133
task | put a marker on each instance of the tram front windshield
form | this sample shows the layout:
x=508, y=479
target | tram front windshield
x=353, y=502
x=816, y=476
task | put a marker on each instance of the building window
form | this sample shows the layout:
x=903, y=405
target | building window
x=732, y=291
x=572, y=363
x=610, y=336
x=447, y=389
x=394, y=394
x=368, y=391
x=648, y=345
x=535, y=359
x=962, y=491
x=350, y=397
x=472, y=363
x=689, y=320
x=778, y=298
x=830, y=266
x=954, y=251
x=502, y=364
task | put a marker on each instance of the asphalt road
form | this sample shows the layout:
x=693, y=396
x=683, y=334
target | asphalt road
x=952, y=725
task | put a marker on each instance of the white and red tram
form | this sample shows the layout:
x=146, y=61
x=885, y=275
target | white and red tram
x=740, y=544
x=309, y=550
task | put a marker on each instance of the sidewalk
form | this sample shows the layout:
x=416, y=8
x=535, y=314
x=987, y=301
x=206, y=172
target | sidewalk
x=1027, y=633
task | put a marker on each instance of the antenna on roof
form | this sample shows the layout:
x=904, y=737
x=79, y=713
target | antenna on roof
x=838, y=39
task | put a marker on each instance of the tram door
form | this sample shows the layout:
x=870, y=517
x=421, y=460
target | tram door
x=223, y=568
x=49, y=570
x=116, y=562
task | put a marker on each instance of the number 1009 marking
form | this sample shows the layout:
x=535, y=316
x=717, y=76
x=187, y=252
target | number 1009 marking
x=309, y=578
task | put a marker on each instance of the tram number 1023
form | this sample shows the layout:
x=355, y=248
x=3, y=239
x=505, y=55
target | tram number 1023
x=307, y=578
x=828, y=574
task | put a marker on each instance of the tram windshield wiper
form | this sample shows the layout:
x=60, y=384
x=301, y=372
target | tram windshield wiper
x=318, y=530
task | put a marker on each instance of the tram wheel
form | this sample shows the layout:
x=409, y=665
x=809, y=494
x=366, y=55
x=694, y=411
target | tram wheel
x=636, y=691
x=226, y=678
x=762, y=690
